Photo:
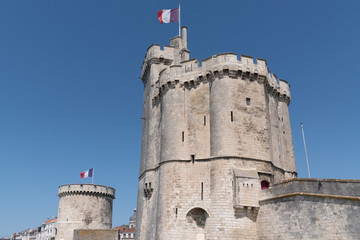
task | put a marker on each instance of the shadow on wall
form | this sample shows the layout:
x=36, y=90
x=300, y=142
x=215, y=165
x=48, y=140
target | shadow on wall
x=197, y=215
x=250, y=213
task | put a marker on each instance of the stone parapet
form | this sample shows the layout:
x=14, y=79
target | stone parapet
x=315, y=186
x=86, y=189
x=96, y=234
x=191, y=73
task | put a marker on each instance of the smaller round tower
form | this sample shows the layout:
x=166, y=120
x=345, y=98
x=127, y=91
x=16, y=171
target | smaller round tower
x=83, y=206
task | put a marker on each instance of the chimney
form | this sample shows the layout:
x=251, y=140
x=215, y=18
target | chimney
x=184, y=36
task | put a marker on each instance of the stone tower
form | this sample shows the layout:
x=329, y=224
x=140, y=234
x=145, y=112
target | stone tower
x=214, y=133
x=83, y=206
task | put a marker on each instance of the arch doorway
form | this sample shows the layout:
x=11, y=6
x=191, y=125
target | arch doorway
x=196, y=218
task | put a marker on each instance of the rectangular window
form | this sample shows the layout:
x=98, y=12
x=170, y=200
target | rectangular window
x=232, y=116
x=248, y=101
x=204, y=120
x=202, y=191
x=183, y=136
x=192, y=158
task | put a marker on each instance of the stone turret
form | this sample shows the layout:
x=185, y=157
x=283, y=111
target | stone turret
x=83, y=206
x=212, y=131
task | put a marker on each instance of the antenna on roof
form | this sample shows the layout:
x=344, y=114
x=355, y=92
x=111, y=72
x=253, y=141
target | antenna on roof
x=307, y=160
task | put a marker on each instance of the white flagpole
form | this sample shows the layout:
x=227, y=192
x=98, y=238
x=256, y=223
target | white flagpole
x=307, y=160
x=93, y=176
x=179, y=21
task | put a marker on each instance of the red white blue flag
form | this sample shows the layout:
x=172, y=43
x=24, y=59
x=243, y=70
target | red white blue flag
x=88, y=173
x=168, y=15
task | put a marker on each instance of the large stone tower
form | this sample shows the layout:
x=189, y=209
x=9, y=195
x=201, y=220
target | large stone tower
x=214, y=133
x=83, y=206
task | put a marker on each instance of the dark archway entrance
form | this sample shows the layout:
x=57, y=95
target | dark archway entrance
x=197, y=217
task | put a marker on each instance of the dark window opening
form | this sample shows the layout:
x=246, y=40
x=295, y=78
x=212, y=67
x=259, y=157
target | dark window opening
x=183, y=136
x=204, y=120
x=192, y=158
x=265, y=185
x=248, y=101
x=176, y=212
x=232, y=116
x=202, y=191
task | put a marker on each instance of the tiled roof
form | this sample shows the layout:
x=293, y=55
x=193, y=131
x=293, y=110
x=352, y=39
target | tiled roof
x=121, y=227
x=50, y=221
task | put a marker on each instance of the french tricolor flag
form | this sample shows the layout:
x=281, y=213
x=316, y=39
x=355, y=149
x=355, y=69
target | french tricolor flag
x=168, y=15
x=88, y=173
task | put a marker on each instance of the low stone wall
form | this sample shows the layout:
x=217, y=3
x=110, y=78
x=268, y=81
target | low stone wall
x=310, y=209
x=309, y=217
x=337, y=187
x=96, y=234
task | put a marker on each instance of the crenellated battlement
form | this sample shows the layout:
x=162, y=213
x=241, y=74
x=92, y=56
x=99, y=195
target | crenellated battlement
x=189, y=74
x=86, y=189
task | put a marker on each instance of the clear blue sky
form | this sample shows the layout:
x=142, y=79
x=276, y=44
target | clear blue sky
x=71, y=99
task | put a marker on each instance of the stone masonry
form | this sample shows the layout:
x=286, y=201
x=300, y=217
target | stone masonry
x=83, y=206
x=214, y=134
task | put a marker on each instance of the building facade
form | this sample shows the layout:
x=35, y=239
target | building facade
x=47, y=230
x=216, y=149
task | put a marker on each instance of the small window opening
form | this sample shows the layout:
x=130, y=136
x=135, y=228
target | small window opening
x=264, y=185
x=232, y=116
x=202, y=191
x=248, y=101
x=149, y=184
x=192, y=158
x=145, y=185
x=176, y=212
x=183, y=136
x=204, y=120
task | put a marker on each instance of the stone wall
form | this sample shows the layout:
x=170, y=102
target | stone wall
x=84, y=206
x=309, y=217
x=96, y=234
x=200, y=121
x=310, y=209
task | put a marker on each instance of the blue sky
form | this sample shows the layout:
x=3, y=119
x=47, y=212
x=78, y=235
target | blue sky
x=70, y=97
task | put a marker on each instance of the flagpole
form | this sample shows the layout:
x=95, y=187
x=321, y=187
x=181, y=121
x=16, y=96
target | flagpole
x=93, y=176
x=179, y=21
x=307, y=160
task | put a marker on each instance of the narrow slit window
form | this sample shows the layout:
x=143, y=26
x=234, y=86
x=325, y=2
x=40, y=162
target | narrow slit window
x=202, y=191
x=248, y=101
x=192, y=158
x=183, y=136
x=232, y=116
x=176, y=212
x=204, y=120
